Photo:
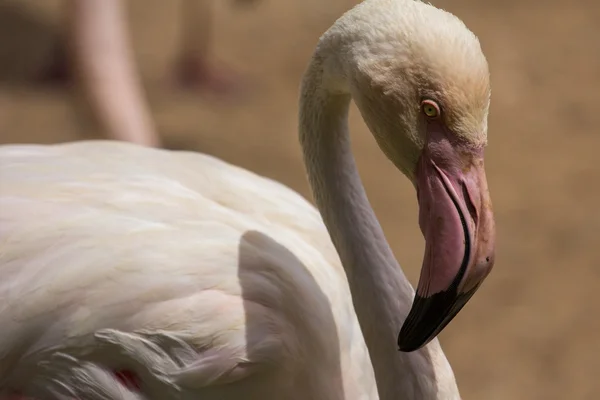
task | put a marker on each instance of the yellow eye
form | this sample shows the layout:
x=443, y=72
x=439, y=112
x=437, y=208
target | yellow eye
x=430, y=109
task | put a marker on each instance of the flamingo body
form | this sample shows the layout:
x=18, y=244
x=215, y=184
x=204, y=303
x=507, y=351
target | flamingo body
x=107, y=235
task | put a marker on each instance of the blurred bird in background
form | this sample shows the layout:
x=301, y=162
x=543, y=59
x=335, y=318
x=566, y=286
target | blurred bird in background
x=96, y=54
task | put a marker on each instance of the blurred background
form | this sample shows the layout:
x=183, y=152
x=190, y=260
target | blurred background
x=533, y=330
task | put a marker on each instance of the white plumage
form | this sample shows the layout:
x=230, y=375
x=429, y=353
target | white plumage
x=130, y=238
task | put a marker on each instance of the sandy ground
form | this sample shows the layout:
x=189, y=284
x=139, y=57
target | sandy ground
x=532, y=330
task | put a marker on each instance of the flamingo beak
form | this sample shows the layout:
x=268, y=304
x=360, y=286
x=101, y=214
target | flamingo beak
x=457, y=221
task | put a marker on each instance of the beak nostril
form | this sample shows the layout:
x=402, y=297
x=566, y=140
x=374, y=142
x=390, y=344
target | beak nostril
x=487, y=259
x=469, y=203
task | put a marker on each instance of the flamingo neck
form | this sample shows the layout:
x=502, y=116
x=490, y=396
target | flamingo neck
x=381, y=293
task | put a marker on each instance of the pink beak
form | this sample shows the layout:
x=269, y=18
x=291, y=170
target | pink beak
x=456, y=219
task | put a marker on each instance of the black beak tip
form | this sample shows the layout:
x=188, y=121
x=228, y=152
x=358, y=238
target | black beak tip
x=428, y=317
x=417, y=327
x=406, y=346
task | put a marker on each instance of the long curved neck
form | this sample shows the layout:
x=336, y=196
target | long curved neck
x=104, y=64
x=381, y=294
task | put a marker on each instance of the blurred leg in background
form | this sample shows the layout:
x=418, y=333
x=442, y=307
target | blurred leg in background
x=104, y=66
x=96, y=55
x=194, y=68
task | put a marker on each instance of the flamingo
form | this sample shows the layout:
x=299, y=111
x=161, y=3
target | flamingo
x=132, y=272
x=193, y=68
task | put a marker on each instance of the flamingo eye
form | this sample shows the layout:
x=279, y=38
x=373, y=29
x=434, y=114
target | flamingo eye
x=430, y=108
